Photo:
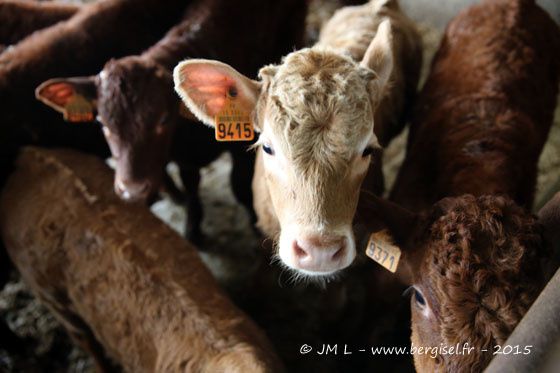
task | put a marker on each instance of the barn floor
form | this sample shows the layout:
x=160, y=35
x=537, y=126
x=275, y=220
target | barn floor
x=228, y=233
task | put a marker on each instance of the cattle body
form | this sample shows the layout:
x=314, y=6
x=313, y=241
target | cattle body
x=486, y=109
x=124, y=285
x=315, y=114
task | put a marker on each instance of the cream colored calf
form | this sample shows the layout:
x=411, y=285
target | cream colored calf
x=315, y=115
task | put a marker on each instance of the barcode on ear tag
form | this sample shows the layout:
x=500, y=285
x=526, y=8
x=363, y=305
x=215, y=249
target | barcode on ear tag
x=233, y=123
x=382, y=251
x=78, y=109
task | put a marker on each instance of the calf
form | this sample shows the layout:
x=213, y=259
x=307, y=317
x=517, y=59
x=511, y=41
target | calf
x=476, y=264
x=475, y=260
x=134, y=99
x=315, y=114
x=125, y=286
x=78, y=45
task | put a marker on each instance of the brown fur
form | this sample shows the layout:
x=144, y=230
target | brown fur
x=484, y=114
x=140, y=296
x=479, y=271
x=140, y=112
x=79, y=45
x=478, y=128
x=478, y=263
x=19, y=19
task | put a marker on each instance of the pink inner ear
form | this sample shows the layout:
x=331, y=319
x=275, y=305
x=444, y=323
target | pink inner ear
x=207, y=86
x=58, y=93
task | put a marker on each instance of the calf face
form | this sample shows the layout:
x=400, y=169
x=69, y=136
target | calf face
x=134, y=101
x=314, y=113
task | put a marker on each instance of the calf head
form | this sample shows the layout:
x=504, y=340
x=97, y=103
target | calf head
x=134, y=101
x=475, y=268
x=314, y=114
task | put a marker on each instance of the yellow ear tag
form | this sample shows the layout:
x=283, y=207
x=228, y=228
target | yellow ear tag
x=233, y=123
x=78, y=109
x=381, y=250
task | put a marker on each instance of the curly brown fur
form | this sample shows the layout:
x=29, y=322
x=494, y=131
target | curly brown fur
x=482, y=268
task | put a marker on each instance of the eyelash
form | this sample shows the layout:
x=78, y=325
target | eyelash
x=419, y=298
x=367, y=151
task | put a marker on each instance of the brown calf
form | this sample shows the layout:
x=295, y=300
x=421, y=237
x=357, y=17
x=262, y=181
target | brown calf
x=479, y=127
x=123, y=284
x=134, y=99
x=79, y=45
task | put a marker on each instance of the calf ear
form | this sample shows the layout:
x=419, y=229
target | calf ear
x=75, y=98
x=205, y=85
x=392, y=227
x=379, y=57
x=377, y=214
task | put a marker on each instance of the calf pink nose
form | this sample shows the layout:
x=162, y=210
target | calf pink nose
x=132, y=191
x=320, y=253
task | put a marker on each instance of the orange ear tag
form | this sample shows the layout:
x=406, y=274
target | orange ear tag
x=381, y=250
x=233, y=123
x=78, y=109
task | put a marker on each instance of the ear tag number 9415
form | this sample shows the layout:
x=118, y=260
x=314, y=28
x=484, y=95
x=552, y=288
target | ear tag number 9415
x=233, y=123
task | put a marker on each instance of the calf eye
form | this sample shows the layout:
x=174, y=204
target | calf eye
x=367, y=151
x=419, y=298
x=267, y=149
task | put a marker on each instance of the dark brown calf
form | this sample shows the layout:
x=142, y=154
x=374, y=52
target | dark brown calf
x=475, y=262
x=123, y=284
x=79, y=45
x=134, y=98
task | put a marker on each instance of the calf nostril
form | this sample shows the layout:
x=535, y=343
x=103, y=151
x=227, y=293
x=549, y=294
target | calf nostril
x=300, y=253
x=338, y=254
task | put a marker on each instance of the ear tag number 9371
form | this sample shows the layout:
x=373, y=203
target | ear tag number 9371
x=381, y=250
x=233, y=123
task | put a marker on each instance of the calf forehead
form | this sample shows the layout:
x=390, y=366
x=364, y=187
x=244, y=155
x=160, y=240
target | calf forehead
x=319, y=105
